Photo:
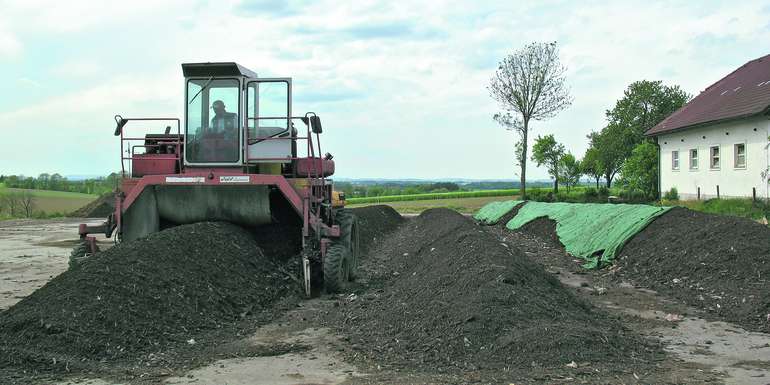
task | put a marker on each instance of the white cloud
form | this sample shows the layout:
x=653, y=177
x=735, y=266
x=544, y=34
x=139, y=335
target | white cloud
x=77, y=68
x=10, y=46
x=401, y=86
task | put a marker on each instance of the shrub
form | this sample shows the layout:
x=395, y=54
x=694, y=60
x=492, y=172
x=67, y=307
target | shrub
x=671, y=195
x=603, y=191
x=541, y=195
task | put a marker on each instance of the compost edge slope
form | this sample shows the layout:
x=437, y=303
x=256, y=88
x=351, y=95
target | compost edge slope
x=448, y=297
x=718, y=263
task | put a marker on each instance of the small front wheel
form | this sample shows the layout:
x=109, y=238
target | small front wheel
x=336, y=266
x=79, y=254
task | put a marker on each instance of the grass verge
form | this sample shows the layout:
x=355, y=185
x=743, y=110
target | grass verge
x=745, y=208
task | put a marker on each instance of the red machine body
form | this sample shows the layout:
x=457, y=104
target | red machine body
x=247, y=170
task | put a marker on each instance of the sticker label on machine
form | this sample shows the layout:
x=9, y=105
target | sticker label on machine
x=234, y=179
x=185, y=179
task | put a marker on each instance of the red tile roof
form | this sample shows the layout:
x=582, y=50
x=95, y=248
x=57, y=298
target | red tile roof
x=743, y=93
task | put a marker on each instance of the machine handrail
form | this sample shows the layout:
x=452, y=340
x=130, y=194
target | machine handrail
x=170, y=141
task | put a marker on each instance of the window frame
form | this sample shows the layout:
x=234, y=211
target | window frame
x=257, y=81
x=239, y=89
x=735, y=156
x=675, y=166
x=690, y=158
x=718, y=157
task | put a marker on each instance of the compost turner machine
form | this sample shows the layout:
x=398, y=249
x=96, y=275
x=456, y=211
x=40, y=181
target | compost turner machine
x=235, y=158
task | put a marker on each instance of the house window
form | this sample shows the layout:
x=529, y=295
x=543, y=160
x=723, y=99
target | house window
x=675, y=160
x=714, y=157
x=740, y=155
x=694, y=159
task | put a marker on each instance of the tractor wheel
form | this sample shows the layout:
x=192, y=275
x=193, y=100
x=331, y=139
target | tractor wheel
x=349, y=226
x=336, y=266
x=79, y=254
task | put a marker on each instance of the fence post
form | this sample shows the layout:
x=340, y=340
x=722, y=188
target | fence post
x=698, y=193
x=754, y=194
x=717, y=191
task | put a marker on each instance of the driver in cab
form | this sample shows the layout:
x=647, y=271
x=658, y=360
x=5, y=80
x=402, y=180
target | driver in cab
x=224, y=122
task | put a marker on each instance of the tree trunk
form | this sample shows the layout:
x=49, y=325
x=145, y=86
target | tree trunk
x=608, y=176
x=597, y=182
x=555, y=177
x=523, y=179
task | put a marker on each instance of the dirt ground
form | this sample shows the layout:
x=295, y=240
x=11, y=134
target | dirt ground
x=297, y=349
x=34, y=251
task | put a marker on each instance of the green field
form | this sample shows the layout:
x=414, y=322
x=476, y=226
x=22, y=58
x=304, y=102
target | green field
x=52, y=202
x=462, y=205
x=433, y=196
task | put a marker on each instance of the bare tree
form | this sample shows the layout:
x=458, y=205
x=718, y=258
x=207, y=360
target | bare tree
x=11, y=203
x=529, y=85
x=27, y=201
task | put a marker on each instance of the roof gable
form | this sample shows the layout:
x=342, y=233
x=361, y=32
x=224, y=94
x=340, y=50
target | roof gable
x=743, y=93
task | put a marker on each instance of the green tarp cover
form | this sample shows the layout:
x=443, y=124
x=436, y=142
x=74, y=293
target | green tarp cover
x=592, y=231
x=491, y=213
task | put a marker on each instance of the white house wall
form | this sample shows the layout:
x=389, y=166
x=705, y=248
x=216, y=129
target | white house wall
x=732, y=181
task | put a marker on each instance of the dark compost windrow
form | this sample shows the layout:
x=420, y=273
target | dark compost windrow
x=141, y=297
x=714, y=262
x=454, y=299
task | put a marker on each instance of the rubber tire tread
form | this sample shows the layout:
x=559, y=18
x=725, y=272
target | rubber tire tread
x=78, y=254
x=348, y=223
x=335, y=280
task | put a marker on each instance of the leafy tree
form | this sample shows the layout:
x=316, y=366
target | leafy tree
x=591, y=165
x=529, y=85
x=446, y=186
x=548, y=152
x=640, y=171
x=609, y=147
x=570, y=170
x=643, y=105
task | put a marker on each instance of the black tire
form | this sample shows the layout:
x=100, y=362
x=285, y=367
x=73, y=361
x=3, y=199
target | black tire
x=348, y=223
x=336, y=266
x=79, y=254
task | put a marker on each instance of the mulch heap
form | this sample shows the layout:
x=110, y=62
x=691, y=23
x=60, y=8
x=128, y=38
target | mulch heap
x=453, y=299
x=714, y=262
x=141, y=299
x=101, y=207
x=375, y=222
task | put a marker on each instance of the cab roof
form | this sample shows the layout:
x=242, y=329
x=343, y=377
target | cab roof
x=216, y=69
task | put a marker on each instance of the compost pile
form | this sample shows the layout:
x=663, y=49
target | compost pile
x=454, y=299
x=713, y=262
x=545, y=228
x=374, y=222
x=102, y=207
x=142, y=297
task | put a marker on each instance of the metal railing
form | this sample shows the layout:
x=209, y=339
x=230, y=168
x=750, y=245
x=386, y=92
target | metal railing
x=126, y=141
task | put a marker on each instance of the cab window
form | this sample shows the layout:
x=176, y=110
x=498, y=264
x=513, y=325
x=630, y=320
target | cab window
x=268, y=109
x=212, y=131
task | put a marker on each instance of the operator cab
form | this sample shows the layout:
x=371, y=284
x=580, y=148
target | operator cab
x=233, y=118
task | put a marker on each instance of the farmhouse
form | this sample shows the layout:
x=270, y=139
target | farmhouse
x=717, y=144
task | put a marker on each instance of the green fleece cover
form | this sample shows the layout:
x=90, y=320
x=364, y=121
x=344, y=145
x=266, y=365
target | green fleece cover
x=592, y=231
x=491, y=213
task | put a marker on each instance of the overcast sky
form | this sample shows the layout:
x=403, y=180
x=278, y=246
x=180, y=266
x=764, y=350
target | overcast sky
x=400, y=85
